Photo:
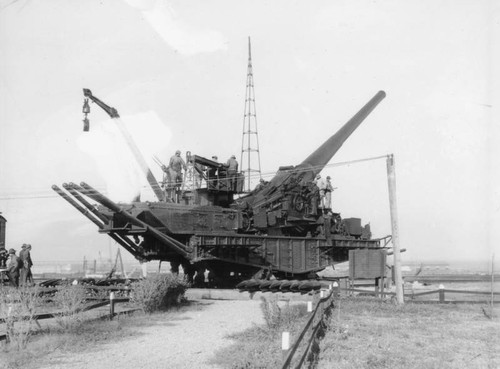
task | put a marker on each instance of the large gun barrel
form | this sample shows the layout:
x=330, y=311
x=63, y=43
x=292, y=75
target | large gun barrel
x=315, y=162
x=323, y=154
x=320, y=157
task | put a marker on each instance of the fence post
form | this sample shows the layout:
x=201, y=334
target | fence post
x=309, y=306
x=285, y=344
x=336, y=288
x=111, y=305
x=441, y=293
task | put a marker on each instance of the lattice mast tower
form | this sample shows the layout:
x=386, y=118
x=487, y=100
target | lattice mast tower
x=250, y=136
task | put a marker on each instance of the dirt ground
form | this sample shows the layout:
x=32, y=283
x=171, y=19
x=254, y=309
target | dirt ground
x=187, y=341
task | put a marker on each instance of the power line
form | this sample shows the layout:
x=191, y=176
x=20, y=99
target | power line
x=259, y=175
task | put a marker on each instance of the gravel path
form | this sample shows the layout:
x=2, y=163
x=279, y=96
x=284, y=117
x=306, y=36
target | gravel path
x=187, y=340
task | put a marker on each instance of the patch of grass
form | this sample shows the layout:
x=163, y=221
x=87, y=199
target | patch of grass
x=370, y=333
x=75, y=331
x=87, y=336
x=260, y=346
x=18, y=307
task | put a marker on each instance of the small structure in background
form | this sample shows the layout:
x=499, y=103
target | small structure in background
x=368, y=264
x=3, y=225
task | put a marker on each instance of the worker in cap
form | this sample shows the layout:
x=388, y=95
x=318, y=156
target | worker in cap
x=321, y=183
x=13, y=268
x=175, y=167
x=328, y=193
x=232, y=171
x=25, y=275
x=212, y=175
x=261, y=184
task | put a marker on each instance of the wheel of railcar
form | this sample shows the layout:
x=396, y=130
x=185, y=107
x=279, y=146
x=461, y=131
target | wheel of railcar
x=336, y=223
x=246, y=222
x=189, y=271
x=199, y=278
x=298, y=203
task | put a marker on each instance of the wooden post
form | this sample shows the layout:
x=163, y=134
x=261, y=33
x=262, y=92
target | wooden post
x=492, y=281
x=391, y=180
x=285, y=344
x=309, y=306
x=441, y=293
x=336, y=288
x=111, y=305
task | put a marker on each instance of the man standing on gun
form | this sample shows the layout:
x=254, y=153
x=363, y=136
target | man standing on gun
x=175, y=167
x=232, y=172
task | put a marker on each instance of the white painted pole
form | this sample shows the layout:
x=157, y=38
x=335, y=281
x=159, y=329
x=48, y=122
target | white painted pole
x=309, y=306
x=285, y=344
x=285, y=341
x=391, y=180
x=111, y=305
x=441, y=293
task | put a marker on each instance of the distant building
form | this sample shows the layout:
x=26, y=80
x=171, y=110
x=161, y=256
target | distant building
x=3, y=224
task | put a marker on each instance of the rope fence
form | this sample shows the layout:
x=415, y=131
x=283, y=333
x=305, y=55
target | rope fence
x=440, y=292
x=312, y=332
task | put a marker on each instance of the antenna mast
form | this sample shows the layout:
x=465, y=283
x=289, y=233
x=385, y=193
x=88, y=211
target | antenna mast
x=250, y=136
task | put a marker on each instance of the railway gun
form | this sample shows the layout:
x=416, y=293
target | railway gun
x=276, y=233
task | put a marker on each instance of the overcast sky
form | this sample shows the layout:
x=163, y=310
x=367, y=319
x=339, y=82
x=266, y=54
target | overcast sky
x=176, y=72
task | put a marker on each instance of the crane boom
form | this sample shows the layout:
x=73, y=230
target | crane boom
x=113, y=113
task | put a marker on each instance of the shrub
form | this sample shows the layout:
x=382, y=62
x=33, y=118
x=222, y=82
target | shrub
x=260, y=347
x=69, y=301
x=159, y=292
x=18, y=308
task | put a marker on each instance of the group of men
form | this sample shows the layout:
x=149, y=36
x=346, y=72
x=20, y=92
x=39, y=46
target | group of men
x=18, y=268
x=231, y=169
x=177, y=164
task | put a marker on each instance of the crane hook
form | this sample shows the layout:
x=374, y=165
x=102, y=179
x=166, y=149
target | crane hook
x=86, y=110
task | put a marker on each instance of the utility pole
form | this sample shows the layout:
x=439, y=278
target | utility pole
x=250, y=136
x=391, y=179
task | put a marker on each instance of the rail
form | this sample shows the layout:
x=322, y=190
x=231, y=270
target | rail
x=112, y=301
x=312, y=331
